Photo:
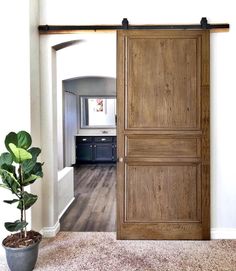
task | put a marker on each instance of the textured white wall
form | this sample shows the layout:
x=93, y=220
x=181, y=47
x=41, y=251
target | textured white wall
x=36, y=188
x=137, y=11
x=223, y=84
x=49, y=135
x=93, y=55
x=223, y=128
x=65, y=189
x=15, y=85
x=15, y=59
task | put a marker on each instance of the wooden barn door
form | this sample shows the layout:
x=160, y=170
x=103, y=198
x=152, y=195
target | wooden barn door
x=163, y=134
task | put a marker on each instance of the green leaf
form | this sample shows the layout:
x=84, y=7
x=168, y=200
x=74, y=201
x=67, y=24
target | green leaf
x=24, y=140
x=11, y=138
x=34, y=174
x=6, y=158
x=37, y=170
x=11, y=201
x=9, y=168
x=15, y=226
x=28, y=165
x=4, y=186
x=9, y=180
x=27, y=200
x=20, y=140
x=19, y=154
x=34, y=152
x=30, y=179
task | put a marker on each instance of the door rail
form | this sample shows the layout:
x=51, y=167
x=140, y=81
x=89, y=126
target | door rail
x=57, y=29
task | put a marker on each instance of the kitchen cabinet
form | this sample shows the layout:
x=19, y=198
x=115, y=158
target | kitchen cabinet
x=95, y=149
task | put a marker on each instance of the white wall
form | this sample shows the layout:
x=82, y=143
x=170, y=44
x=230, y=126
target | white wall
x=145, y=12
x=15, y=85
x=48, y=127
x=223, y=94
x=15, y=68
x=93, y=55
x=223, y=128
x=65, y=189
x=35, y=120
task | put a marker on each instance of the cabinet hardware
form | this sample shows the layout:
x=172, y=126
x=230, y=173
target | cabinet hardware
x=84, y=139
x=103, y=139
x=121, y=159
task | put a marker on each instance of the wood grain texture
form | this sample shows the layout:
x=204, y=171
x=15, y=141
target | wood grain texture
x=205, y=94
x=163, y=135
x=164, y=80
x=94, y=207
x=162, y=193
x=120, y=89
x=157, y=146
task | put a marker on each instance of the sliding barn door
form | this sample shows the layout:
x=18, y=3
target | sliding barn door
x=163, y=134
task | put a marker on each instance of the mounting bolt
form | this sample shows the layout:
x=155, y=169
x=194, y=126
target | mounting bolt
x=204, y=23
x=125, y=23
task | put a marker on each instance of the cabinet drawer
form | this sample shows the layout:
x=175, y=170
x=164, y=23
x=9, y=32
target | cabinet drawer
x=103, y=139
x=84, y=139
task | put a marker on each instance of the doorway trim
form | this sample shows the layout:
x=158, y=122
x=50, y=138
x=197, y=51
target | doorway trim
x=48, y=126
x=49, y=44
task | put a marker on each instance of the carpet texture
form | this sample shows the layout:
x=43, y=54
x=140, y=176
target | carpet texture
x=102, y=252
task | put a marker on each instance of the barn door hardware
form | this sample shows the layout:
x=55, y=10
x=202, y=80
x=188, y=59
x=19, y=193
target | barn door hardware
x=64, y=29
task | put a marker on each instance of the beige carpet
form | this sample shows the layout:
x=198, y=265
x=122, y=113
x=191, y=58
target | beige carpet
x=101, y=251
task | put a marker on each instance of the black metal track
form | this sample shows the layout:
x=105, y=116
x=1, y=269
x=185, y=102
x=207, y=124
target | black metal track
x=126, y=26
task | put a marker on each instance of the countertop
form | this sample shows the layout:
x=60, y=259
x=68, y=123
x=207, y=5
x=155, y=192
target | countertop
x=95, y=135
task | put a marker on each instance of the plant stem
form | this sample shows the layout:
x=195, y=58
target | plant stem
x=23, y=211
x=25, y=230
x=21, y=188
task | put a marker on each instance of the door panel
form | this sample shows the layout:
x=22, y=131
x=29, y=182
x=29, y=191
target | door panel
x=162, y=193
x=153, y=145
x=163, y=135
x=159, y=81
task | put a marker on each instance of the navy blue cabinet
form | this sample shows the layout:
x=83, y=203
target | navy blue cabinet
x=95, y=149
x=85, y=152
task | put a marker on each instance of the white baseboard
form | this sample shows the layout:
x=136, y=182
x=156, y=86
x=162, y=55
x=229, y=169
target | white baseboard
x=51, y=231
x=67, y=206
x=223, y=233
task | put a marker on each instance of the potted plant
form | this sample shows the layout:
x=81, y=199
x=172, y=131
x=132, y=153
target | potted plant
x=18, y=169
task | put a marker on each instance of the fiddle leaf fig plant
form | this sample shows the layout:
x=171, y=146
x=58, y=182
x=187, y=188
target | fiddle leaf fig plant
x=19, y=168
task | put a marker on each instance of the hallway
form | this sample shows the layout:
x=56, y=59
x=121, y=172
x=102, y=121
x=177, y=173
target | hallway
x=94, y=207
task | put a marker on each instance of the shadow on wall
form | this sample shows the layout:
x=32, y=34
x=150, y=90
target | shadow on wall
x=91, y=85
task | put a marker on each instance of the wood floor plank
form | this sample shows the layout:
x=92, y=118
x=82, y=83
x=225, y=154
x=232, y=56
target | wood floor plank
x=94, y=207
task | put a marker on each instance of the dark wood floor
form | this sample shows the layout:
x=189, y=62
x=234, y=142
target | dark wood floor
x=94, y=207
